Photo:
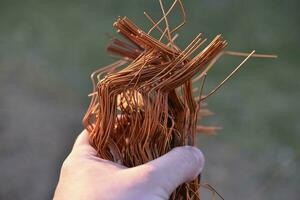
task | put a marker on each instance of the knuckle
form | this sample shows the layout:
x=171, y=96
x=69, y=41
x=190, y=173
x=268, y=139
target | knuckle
x=67, y=164
x=190, y=154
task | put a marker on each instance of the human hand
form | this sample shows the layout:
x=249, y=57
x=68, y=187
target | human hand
x=86, y=176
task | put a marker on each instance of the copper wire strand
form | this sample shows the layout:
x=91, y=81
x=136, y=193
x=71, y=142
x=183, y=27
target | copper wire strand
x=228, y=77
x=165, y=15
x=167, y=28
x=212, y=189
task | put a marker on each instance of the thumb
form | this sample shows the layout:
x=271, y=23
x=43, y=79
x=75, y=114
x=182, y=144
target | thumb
x=180, y=165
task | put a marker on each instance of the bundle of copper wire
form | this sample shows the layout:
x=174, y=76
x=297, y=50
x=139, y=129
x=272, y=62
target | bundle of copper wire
x=146, y=103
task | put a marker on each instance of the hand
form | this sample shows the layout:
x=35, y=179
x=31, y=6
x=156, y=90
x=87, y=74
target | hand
x=86, y=176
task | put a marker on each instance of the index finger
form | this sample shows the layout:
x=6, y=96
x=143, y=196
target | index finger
x=82, y=143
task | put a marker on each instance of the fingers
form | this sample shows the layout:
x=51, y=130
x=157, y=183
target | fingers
x=85, y=153
x=82, y=138
x=82, y=144
x=180, y=165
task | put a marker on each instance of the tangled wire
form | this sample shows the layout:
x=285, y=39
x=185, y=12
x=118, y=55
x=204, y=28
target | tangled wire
x=147, y=102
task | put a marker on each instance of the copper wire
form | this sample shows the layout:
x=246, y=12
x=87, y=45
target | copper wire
x=144, y=105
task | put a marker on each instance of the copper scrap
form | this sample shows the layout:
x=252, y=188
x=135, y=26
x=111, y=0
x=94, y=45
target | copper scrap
x=146, y=103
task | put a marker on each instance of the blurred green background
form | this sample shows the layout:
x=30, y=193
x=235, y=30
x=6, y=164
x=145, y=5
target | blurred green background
x=49, y=48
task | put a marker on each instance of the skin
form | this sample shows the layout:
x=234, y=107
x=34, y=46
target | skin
x=85, y=176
